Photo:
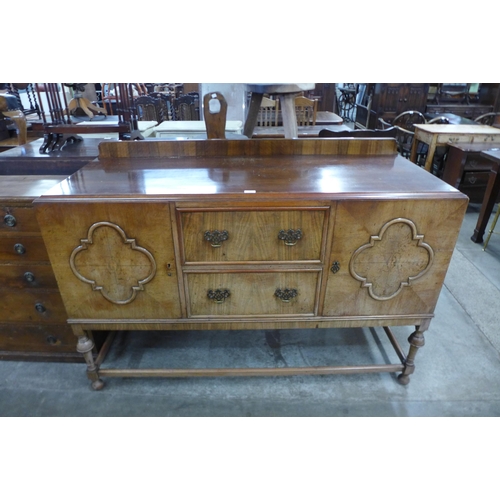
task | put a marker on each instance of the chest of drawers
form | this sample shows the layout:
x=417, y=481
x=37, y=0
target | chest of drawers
x=316, y=233
x=33, y=321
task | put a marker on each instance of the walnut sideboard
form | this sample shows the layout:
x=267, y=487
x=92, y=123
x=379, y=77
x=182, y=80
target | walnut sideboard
x=258, y=234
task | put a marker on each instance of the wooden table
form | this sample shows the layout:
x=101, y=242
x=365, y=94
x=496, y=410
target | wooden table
x=302, y=132
x=286, y=92
x=250, y=235
x=444, y=135
x=490, y=196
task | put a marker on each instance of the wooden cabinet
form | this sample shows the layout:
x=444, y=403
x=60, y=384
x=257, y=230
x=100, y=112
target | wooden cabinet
x=391, y=99
x=250, y=235
x=467, y=170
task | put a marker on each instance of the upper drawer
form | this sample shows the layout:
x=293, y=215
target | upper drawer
x=18, y=219
x=252, y=235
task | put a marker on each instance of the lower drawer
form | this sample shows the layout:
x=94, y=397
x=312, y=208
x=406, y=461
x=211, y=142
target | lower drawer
x=37, y=338
x=37, y=306
x=252, y=294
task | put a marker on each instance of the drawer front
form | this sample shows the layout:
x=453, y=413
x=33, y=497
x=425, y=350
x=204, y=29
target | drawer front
x=27, y=276
x=253, y=235
x=475, y=179
x=35, y=306
x=37, y=338
x=477, y=162
x=18, y=219
x=252, y=294
x=21, y=248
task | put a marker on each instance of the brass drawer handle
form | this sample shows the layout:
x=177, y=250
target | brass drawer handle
x=19, y=248
x=40, y=307
x=286, y=294
x=218, y=296
x=335, y=267
x=216, y=237
x=29, y=277
x=290, y=236
x=10, y=220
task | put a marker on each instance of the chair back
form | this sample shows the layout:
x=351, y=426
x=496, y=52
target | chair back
x=148, y=109
x=306, y=110
x=214, y=113
x=268, y=113
x=186, y=107
x=488, y=119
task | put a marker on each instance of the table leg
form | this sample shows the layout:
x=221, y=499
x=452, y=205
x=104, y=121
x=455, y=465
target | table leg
x=287, y=102
x=416, y=340
x=86, y=346
x=490, y=196
x=430, y=155
x=253, y=112
x=413, y=152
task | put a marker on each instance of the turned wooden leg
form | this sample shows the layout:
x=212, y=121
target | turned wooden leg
x=85, y=346
x=416, y=340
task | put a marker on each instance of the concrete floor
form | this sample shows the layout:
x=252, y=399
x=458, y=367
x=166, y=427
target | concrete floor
x=457, y=372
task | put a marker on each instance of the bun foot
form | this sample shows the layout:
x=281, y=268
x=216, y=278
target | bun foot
x=403, y=379
x=97, y=385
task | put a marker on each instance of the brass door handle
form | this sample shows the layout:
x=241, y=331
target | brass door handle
x=216, y=237
x=290, y=236
x=218, y=296
x=286, y=294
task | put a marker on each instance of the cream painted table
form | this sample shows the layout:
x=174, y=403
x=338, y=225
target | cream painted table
x=444, y=135
x=189, y=129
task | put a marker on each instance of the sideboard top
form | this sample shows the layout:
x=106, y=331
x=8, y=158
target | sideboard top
x=264, y=176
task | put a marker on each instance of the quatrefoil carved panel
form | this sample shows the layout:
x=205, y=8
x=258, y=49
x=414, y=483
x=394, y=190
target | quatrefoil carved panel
x=392, y=260
x=112, y=263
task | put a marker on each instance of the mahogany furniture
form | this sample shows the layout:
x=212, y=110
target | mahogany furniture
x=308, y=131
x=444, y=135
x=467, y=170
x=490, y=196
x=222, y=234
x=32, y=316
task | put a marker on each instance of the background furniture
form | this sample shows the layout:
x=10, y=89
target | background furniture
x=233, y=234
x=286, y=93
x=214, y=112
x=467, y=170
x=305, y=111
x=491, y=194
x=10, y=111
x=60, y=129
x=443, y=135
x=268, y=113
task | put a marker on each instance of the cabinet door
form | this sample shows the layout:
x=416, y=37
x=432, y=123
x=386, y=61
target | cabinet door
x=112, y=260
x=390, y=257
